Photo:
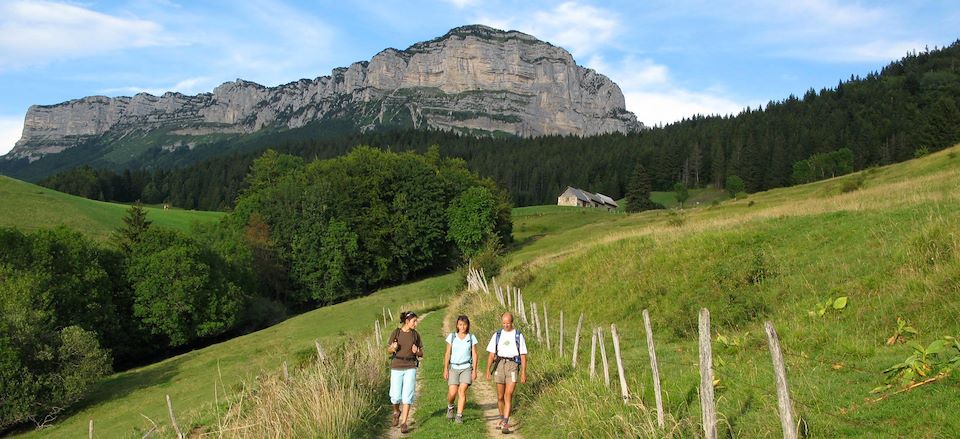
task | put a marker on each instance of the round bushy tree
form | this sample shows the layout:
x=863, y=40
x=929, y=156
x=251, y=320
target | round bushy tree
x=471, y=219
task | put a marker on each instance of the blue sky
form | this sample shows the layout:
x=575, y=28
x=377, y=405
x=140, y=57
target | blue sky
x=672, y=58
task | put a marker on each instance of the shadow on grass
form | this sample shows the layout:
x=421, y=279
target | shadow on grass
x=125, y=383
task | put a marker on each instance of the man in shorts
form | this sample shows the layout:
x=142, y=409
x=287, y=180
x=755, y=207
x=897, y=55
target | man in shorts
x=508, y=364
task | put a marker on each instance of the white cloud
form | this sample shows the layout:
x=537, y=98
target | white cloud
x=462, y=3
x=187, y=86
x=582, y=29
x=10, y=130
x=38, y=32
x=651, y=94
x=672, y=104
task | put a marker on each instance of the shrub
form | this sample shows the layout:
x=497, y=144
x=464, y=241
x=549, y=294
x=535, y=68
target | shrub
x=853, y=183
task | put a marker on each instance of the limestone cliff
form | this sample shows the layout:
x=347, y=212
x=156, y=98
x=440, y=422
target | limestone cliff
x=473, y=79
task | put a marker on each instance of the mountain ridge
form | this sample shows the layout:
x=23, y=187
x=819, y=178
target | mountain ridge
x=473, y=79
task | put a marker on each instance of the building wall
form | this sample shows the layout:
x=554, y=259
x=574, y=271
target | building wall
x=567, y=201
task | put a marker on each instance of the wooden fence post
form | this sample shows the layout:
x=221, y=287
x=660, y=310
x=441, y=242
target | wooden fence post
x=707, y=408
x=90, y=430
x=523, y=308
x=560, y=343
x=391, y=315
x=320, y=355
x=593, y=354
x=624, y=393
x=576, y=341
x=652, y=352
x=603, y=357
x=546, y=325
x=536, y=319
x=509, y=297
x=173, y=420
x=384, y=317
x=783, y=393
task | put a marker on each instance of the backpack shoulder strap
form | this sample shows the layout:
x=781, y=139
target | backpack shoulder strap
x=394, y=335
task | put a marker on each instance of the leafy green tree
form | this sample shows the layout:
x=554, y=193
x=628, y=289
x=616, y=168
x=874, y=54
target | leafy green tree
x=182, y=290
x=43, y=368
x=735, y=185
x=472, y=217
x=681, y=192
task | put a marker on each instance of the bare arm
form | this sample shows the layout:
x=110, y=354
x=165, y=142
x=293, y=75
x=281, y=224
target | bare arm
x=489, y=363
x=446, y=357
x=523, y=368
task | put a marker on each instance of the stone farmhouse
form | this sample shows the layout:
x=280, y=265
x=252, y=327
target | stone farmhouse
x=581, y=198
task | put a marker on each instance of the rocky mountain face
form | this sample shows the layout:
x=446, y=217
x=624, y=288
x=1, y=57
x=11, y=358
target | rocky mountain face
x=474, y=79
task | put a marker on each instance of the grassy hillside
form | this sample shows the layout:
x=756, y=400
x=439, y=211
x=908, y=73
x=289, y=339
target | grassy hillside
x=28, y=207
x=891, y=245
x=117, y=403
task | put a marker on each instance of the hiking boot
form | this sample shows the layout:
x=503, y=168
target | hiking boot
x=500, y=424
x=459, y=419
x=404, y=429
x=396, y=419
x=450, y=412
x=505, y=429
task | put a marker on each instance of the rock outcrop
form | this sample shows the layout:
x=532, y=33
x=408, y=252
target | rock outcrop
x=473, y=79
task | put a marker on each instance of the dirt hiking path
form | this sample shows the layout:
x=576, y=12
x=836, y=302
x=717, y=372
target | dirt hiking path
x=484, y=391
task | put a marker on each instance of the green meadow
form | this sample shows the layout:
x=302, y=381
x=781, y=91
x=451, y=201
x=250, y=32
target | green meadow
x=887, y=239
x=890, y=244
x=30, y=207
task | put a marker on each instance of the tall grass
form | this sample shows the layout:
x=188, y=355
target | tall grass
x=343, y=396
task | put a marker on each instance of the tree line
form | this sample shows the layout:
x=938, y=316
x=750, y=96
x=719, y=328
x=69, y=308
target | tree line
x=886, y=117
x=302, y=235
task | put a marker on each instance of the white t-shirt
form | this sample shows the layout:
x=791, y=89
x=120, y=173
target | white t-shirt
x=508, y=344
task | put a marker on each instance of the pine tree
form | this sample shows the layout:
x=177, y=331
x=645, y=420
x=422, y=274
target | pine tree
x=638, y=191
x=135, y=223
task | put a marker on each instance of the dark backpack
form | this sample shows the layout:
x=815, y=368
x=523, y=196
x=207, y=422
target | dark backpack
x=496, y=344
x=395, y=337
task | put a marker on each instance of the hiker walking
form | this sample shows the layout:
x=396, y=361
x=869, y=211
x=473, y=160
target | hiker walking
x=508, y=362
x=460, y=366
x=406, y=349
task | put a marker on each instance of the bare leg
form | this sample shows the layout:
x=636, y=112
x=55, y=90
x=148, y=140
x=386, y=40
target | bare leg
x=405, y=413
x=500, y=391
x=463, y=398
x=508, y=399
x=451, y=395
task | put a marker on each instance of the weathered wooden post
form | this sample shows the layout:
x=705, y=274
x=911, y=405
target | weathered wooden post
x=560, y=343
x=624, y=393
x=509, y=297
x=173, y=420
x=523, y=308
x=90, y=430
x=652, y=352
x=576, y=341
x=593, y=354
x=376, y=330
x=603, y=357
x=546, y=325
x=390, y=313
x=707, y=408
x=384, y=317
x=320, y=355
x=536, y=319
x=783, y=394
